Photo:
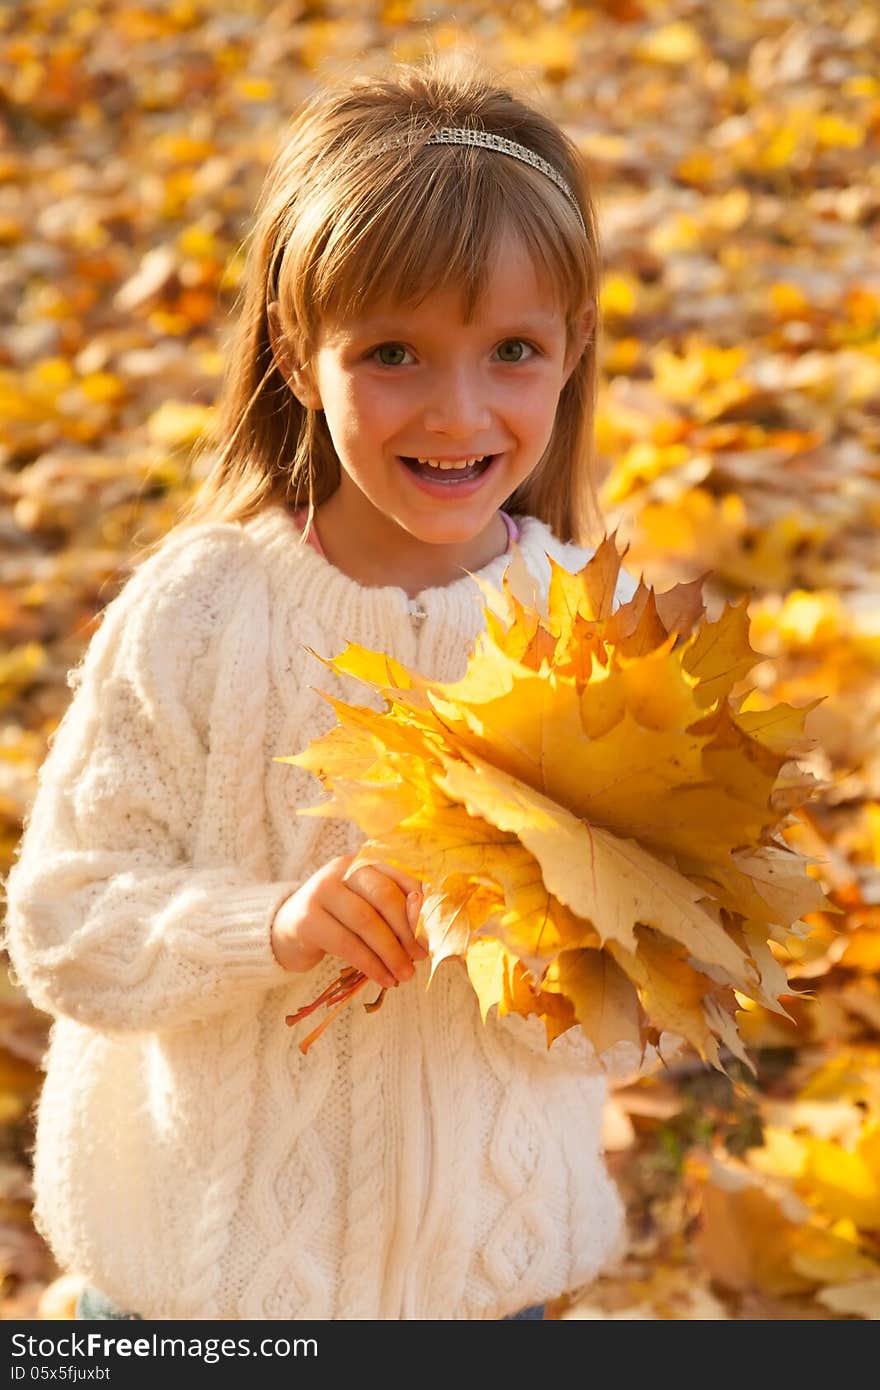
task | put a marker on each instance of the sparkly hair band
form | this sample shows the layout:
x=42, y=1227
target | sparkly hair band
x=487, y=140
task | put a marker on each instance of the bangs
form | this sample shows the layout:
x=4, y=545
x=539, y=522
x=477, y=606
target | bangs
x=435, y=220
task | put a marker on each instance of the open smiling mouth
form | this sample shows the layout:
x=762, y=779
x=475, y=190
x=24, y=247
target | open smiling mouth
x=449, y=476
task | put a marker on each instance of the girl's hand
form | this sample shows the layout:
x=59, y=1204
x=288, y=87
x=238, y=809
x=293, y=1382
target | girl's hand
x=366, y=918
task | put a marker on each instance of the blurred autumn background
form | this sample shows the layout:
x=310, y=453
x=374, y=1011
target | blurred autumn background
x=734, y=150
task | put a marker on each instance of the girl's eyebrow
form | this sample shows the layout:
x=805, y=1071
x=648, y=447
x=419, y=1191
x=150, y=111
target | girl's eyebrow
x=532, y=323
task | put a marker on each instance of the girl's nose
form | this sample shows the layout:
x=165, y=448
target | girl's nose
x=458, y=407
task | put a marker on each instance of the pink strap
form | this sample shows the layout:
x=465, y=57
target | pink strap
x=301, y=513
x=299, y=517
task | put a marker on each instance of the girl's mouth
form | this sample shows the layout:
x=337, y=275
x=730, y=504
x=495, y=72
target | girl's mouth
x=450, y=482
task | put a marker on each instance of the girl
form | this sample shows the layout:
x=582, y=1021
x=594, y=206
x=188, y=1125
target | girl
x=411, y=390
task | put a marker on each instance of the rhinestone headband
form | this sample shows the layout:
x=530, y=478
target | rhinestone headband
x=487, y=140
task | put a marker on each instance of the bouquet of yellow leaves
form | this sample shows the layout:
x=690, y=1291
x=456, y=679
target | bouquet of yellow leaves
x=599, y=819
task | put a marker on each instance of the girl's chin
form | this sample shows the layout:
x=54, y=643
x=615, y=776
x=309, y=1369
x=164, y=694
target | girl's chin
x=472, y=539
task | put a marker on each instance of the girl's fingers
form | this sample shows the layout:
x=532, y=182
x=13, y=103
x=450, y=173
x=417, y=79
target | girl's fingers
x=387, y=890
x=338, y=940
x=361, y=918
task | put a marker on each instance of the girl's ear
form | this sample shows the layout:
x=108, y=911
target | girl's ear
x=581, y=335
x=298, y=379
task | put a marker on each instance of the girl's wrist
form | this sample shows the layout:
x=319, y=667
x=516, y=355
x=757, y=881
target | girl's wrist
x=286, y=953
x=289, y=954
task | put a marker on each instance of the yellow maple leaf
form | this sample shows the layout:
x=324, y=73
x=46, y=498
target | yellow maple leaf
x=603, y=1000
x=594, y=806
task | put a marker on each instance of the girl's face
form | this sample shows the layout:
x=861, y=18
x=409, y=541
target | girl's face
x=407, y=383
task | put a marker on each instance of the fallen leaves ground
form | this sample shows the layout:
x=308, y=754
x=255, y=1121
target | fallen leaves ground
x=734, y=153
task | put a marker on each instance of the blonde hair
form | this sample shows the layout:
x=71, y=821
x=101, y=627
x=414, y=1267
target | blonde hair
x=340, y=223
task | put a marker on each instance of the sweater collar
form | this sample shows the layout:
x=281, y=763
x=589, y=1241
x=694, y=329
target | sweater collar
x=321, y=583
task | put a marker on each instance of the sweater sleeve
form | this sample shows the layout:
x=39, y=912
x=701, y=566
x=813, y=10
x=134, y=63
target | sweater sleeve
x=115, y=915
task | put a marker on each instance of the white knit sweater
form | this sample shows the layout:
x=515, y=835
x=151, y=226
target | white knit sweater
x=190, y=1161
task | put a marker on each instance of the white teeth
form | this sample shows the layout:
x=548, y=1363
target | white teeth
x=451, y=463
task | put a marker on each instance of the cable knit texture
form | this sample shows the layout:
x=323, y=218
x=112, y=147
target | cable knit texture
x=189, y=1161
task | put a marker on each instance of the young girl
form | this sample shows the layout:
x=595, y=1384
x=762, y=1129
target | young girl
x=411, y=391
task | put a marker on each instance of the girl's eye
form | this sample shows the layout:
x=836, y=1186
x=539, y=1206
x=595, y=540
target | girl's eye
x=393, y=354
x=518, y=345
x=389, y=348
